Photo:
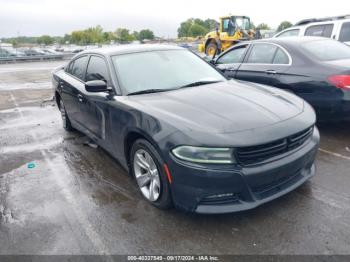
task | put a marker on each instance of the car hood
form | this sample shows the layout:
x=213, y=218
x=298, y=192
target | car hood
x=224, y=107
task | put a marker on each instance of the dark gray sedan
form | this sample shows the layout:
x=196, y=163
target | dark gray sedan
x=314, y=68
x=190, y=137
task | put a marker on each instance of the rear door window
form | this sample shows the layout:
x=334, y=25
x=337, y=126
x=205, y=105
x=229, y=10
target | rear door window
x=320, y=30
x=78, y=67
x=281, y=57
x=344, y=35
x=97, y=69
x=234, y=56
x=262, y=54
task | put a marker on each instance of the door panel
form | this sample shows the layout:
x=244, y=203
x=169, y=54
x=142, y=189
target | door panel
x=264, y=64
x=94, y=108
x=72, y=87
x=230, y=61
x=71, y=91
x=229, y=70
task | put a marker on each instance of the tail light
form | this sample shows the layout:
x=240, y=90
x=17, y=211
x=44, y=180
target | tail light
x=340, y=81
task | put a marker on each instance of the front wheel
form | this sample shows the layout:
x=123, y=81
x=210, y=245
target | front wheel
x=147, y=167
x=211, y=49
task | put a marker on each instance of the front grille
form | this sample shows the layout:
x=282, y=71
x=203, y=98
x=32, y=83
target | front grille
x=256, y=154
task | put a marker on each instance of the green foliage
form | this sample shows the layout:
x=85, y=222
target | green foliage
x=252, y=25
x=197, y=30
x=145, y=34
x=136, y=35
x=194, y=27
x=91, y=35
x=284, y=25
x=123, y=35
x=263, y=26
x=14, y=42
x=45, y=40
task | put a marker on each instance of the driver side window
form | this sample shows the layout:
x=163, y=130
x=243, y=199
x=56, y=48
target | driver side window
x=234, y=56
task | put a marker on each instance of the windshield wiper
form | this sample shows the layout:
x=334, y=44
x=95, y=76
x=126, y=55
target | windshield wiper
x=200, y=83
x=158, y=90
x=148, y=91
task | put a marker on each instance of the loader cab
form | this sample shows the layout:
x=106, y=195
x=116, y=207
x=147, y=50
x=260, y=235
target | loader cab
x=229, y=24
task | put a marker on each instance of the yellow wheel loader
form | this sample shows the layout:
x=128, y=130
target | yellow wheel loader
x=231, y=30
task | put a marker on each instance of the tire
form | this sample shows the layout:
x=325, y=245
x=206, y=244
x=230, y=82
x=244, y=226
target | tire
x=67, y=125
x=212, y=47
x=146, y=177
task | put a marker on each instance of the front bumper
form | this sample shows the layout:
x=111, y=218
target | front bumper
x=231, y=189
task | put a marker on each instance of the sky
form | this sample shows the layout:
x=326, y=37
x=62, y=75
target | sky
x=57, y=17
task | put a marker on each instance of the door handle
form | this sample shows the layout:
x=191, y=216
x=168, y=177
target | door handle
x=270, y=72
x=80, y=98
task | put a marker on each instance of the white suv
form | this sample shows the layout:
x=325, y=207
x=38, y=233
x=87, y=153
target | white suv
x=337, y=28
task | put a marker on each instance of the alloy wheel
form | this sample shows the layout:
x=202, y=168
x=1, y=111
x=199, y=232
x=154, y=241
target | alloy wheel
x=147, y=175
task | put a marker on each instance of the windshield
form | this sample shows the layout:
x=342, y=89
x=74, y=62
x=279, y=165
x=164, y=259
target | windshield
x=243, y=23
x=327, y=50
x=162, y=70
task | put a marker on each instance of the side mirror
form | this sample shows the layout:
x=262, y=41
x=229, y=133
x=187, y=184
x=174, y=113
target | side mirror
x=212, y=62
x=96, y=86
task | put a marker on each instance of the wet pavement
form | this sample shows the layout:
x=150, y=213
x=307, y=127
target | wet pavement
x=60, y=196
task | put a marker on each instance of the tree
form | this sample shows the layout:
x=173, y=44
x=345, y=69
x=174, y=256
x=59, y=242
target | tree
x=108, y=36
x=194, y=27
x=95, y=34
x=14, y=43
x=184, y=28
x=45, y=39
x=197, y=30
x=284, y=25
x=78, y=37
x=123, y=35
x=263, y=26
x=145, y=34
x=252, y=25
x=211, y=24
x=136, y=35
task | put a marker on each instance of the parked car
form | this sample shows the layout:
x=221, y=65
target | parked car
x=188, y=135
x=337, y=28
x=10, y=52
x=4, y=53
x=32, y=52
x=49, y=51
x=314, y=68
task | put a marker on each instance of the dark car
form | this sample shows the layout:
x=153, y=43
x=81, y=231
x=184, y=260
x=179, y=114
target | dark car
x=188, y=135
x=316, y=69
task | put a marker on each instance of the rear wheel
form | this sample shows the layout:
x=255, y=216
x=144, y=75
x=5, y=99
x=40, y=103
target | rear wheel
x=65, y=119
x=147, y=168
x=211, y=49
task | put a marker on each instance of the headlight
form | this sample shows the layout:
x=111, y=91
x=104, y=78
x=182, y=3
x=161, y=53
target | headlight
x=205, y=155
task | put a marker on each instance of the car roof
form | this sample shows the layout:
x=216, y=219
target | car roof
x=130, y=48
x=291, y=40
